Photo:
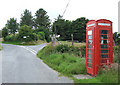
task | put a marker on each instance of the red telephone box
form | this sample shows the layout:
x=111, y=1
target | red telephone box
x=99, y=45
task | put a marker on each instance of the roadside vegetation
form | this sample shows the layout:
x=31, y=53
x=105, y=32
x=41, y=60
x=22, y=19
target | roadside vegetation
x=0, y=42
x=65, y=59
x=38, y=42
x=0, y=47
x=31, y=30
x=71, y=60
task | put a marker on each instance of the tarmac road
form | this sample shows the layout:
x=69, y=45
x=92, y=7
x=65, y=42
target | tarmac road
x=20, y=65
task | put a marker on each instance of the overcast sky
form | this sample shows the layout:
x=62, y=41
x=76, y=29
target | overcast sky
x=91, y=9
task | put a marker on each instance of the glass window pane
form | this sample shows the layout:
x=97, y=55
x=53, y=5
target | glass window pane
x=89, y=65
x=89, y=56
x=89, y=37
x=104, y=46
x=89, y=60
x=104, y=51
x=104, y=31
x=90, y=32
x=104, y=37
x=104, y=56
x=89, y=46
x=89, y=41
x=89, y=51
x=104, y=41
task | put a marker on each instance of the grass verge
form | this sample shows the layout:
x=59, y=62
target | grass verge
x=68, y=64
x=105, y=75
x=0, y=47
x=64, y=63
x=24, y=43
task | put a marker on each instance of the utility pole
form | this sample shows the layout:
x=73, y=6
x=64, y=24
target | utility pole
x=66, y=8
x=53, y=37
x=72, y=39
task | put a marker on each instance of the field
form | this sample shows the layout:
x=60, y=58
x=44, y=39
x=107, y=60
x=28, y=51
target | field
x=70, y=43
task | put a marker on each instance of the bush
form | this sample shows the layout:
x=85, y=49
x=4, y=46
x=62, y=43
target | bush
x=116, y=54
x=4, y=32
x=62, y=48
x=11, y=37
x=46, y=32
x=26, y=31
x=41, y=35
x=46, y=51
x=83, y=50
x=8, y=38
x=78, y=51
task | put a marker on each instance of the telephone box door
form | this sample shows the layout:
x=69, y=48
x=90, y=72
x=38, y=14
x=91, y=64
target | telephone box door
x=105, y=46
x=90, y=51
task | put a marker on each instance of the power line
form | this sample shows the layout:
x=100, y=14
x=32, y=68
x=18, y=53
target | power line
x=66, y=7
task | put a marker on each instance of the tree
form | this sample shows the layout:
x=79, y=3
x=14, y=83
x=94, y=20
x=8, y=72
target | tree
x=41, y=35
x=4, y=32
x=12, y=25
x=41, y=19
x=116, y=38
x=66, y=28
x=46, y=33
x=26, y=33
x=26, y=18
x=62, y=27
x=79, y=29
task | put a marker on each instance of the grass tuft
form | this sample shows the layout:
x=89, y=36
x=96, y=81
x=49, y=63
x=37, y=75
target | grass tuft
x=65, y=63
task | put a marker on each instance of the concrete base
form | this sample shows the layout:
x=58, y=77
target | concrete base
x=81, y=76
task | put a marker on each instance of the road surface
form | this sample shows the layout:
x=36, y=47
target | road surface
x=20, y=65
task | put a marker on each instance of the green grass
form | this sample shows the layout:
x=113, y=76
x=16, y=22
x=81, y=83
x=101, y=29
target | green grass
x=24, y=43
x=69, y=64
x=70, y=43
x=1, y=40
x=12, y=42
x=0, y=47
x=108, y=75
x=65, y=63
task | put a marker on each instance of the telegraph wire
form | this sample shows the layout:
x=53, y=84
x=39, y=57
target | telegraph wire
x=66, y=7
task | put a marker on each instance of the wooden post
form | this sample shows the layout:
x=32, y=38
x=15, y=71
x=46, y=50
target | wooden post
x=72, y=39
